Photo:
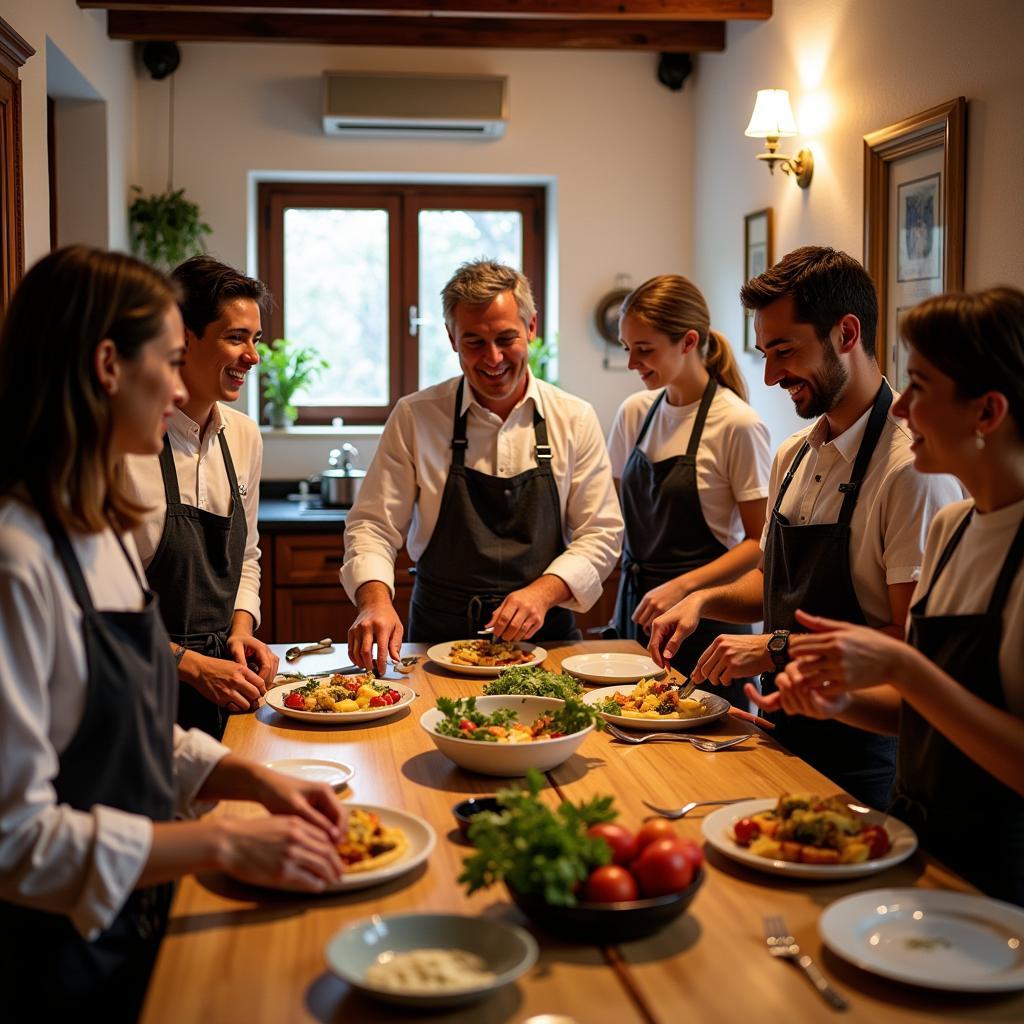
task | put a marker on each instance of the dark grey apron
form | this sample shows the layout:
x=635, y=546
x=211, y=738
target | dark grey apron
x=195, y=571
x=121, y=756
x=666, y=536
x=493, y=535
x=809, y=567
x=961, y=813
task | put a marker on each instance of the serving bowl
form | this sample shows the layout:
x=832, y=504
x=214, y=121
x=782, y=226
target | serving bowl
x=466, y=810
x=506, y=950
x=506, y=759
x=608, y=922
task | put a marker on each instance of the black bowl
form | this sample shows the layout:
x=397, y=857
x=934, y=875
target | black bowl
x=465, y=810
x=608, y=922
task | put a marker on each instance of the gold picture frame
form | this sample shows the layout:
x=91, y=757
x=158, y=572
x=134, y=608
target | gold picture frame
x=914, y=178
x=758, y=256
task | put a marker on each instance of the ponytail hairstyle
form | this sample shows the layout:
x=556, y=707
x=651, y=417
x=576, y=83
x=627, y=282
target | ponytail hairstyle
x=672, y=305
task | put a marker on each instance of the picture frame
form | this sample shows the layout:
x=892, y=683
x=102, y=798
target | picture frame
x=914, y=206
x=758, y=256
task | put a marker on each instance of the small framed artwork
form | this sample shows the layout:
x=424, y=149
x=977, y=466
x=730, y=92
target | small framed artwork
x=757, y=258
x=913, y=219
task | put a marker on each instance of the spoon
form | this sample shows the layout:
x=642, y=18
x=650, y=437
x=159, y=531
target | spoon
x=294, y=653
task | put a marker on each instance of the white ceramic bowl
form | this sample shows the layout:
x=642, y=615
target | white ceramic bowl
x=506, y=759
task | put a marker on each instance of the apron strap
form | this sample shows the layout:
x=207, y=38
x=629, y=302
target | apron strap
x=790, y=473
x=873, y=431
x=236, y=497
x=647, y=419
x=702, y=415
x=170, y=475
x=72, y=567
x=459, y=442
x=1008, y=573
x=947, y=554
x=542, y=450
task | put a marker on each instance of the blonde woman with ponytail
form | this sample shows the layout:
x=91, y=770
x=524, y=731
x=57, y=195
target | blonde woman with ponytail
x=692, y=459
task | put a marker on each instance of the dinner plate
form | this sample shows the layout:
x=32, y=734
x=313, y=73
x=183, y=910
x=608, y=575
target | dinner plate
x=715, y=705
x=957, y=941
x=334, y=773
x=612, y=667
x=275, y=699
x=717, y=829
x=441, y=654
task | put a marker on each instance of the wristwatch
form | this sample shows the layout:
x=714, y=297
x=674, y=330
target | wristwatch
x=778, y=648
x=179, y=654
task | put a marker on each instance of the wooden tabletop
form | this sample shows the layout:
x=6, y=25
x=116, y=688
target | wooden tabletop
x=237, y=953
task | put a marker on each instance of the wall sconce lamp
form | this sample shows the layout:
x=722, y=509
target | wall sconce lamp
x=773, y=120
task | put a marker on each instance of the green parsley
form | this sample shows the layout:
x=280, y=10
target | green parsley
x=533, y=681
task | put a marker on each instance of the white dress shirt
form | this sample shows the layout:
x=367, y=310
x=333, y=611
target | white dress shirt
x=83, y=864
x=203, y=483
x=966, y=584
x=733, y=459
x=895, y=506
x=401, y=496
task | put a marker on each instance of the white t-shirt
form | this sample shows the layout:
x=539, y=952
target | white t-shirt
x=966, y=584
x=733, y=459
x=81, y=863
x=895, y=506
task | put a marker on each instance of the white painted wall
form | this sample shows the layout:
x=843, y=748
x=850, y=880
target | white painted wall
x=853, y=66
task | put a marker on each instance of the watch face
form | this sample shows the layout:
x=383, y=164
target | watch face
x=777, y=643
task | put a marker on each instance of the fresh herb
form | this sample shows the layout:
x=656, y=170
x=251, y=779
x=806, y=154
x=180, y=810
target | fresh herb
x=534, y=849
x=464, y=721
x=533, y=681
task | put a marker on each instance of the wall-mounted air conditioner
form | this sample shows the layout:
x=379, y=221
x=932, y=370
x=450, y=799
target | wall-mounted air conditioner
x=430, y=106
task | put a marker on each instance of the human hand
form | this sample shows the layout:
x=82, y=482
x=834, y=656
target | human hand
x=658, y=601
x=280, y=850
x=733, y=656
x=523, y=611
x=798, y=696
x=247, y=650
x=376, y=626
x=227, y=684
x=314, y=802
x=670, y=629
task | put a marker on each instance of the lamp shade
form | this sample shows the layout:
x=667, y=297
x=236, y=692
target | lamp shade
x=772, y=117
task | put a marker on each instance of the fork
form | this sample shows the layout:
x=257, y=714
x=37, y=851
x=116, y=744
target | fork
x=708, y=746
x=782, y=944
x=675, y=813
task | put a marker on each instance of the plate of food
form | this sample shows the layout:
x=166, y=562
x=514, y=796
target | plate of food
x=339, y=699
x=654, y=705
x=612, y=667
x=482, y=657
x=802, y=835
x=954, y=941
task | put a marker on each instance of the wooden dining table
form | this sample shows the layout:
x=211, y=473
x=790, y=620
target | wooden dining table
x=239, y=953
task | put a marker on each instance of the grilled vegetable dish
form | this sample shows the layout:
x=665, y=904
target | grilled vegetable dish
x=340, y=694
x=652, y=698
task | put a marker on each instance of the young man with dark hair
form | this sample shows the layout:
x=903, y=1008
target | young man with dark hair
x=848, y=512
x=200, y=545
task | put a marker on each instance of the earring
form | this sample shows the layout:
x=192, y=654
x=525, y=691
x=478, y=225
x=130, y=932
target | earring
x=979, y=440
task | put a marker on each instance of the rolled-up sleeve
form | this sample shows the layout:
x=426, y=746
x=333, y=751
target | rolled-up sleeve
x=247, y=599
x=195, y=755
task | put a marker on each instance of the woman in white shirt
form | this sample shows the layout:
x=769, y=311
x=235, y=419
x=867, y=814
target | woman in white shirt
x=954, y=693
x=693, y=460
x=93, y=769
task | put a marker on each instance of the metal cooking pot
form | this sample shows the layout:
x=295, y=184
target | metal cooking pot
x=339, y=484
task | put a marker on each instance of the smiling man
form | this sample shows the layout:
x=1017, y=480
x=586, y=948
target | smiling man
x=199, y=544
x=844, y=536
x=498, y=483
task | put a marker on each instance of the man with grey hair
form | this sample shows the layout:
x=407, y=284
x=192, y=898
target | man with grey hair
x=498, y=483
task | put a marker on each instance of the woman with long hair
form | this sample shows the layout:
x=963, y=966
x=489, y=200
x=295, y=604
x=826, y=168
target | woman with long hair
x=93, y=769
x=693, y=460
x=954, y=692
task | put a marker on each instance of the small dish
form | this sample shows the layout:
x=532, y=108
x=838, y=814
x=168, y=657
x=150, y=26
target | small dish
x=612, y=667
x=440, y=654
x=506, y=950
x=715, y=706
x=334, y=773
x=466, y=810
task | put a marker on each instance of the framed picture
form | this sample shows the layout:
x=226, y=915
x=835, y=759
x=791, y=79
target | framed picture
x=757, y=258
x=913, y=219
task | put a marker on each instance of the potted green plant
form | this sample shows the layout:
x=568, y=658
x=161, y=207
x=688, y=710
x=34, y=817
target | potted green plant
x=540, y=355
x=165, y=229
x=287, y=367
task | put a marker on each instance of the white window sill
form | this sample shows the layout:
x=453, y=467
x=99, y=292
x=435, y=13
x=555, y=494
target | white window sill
x=304, y=433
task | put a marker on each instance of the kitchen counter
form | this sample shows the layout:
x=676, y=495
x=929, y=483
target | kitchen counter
x=279, y=514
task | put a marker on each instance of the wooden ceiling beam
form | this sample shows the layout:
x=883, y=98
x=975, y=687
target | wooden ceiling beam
x=352, y=30
x=590, y=10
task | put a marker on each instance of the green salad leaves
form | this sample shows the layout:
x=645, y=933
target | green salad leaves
x=533, y=681
x=463, y=721
x=535, y=848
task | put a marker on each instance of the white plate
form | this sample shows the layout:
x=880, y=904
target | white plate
x=275, y=699
x=612, y=667
x=717, y=829
x=958, y=941
x=715, y=705
x=334, y=773
x=441, y=655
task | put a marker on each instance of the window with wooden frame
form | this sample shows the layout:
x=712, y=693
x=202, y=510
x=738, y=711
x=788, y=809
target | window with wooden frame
x=357, y=271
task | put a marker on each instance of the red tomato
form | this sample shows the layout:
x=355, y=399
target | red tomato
x=878, y=841
x=609, y=884
x=694, y=853
x=378, y=702
x=619, y=838
x=656, y=828
x=296, y=701
x=746, y=831
x=394, y=696
x=663, y=867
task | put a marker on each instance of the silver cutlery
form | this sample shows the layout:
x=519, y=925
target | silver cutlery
x=782, y=944
x=675, y=813
x=686, y=687
x=708, y=746
x=405, y=664
x=294, y=653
